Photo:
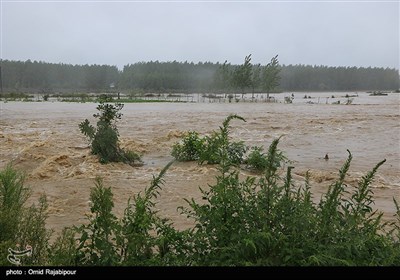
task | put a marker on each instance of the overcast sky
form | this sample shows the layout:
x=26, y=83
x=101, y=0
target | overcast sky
x=354, y=33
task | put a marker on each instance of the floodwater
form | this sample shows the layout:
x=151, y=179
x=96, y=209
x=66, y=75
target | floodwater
x=43, y=140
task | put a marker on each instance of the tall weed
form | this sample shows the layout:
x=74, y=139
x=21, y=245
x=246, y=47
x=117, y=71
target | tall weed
x=20, y=226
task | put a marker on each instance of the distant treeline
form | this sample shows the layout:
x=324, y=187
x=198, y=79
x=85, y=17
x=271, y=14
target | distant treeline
x=176, y=76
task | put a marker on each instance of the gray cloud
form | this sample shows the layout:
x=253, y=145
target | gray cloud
x=327, y=33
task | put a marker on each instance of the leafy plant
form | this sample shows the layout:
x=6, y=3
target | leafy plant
x=13, y=195
x=242, y=75
x=104, y=138
x=190, y=147
x=32, y=231
x=258, y=161
x=96, y=244
x=21, y=226
x=139, y=238
x=140, y=246
x=218, y=146
x=209, y=149
x=270, y=76
x=270, y=221
x=64, y=250
x=236, y=152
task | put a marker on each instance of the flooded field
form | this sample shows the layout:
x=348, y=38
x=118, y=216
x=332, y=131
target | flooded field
x=43, y=140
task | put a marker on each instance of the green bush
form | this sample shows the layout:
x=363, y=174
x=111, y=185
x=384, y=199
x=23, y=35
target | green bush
x=104, y=138
x=139, y=238
x=105, y=143
x=98, y=238
x=21, y=226
x=218, y=147
x=190, y=147
x=258, y=161
x=269, y=221
x=209, y=149
x=32, y=231
x=131, y=156
x=214, y=146
x=64, y=252
x=13, y=195
x=146, y=238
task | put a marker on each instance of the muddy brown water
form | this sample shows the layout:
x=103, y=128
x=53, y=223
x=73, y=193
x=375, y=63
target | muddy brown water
x=43, y=140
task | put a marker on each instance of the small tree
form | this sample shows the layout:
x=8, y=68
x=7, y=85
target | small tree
x=242, y=76
x=270, y=77
x=104, y=138
x=255, y=78
x=223, y=77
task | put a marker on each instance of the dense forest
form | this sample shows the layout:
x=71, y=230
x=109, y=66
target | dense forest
x=155, y=76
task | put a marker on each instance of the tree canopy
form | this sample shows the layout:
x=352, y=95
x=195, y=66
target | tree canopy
x=155, y=76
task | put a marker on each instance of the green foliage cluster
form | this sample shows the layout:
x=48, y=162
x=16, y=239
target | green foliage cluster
x=24, y=75
x=190, y=149
x=269, y=221
x=264, y=220
x=248, y=76
x=210, y=149
x=21, y=226
x=242, y=75
x=104, y=138
x=14, y=96
x=218, y=146
x=139, y=238
x=257, y=160
x=173, y=76
x=270, y=76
